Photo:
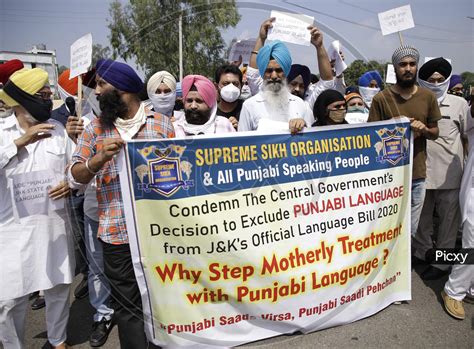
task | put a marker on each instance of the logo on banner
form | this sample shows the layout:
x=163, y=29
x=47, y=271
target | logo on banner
x=393, y=145
x=165, y=172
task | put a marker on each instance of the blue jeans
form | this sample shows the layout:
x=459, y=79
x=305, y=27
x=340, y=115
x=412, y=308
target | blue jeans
x=418, y=191
x=99, y=288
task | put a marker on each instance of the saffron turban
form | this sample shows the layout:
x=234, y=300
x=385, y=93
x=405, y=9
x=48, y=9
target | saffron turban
x=157, y=79
x=367, y=77
x=405, y=51
x=439, y=65
x=8, y=68
x=298, y=69
x=275, y=50
x=68, y=85
x=455, y=79
x=204, y=87
x=119, y=75
x=27, y=80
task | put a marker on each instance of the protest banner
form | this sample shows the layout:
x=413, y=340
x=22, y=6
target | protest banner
x=290, y=27
x=396, y=20
x=242, y=48
x=250, y=236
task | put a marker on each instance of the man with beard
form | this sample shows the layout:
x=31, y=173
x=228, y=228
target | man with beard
x=200, y=108
x=274, y=107
x=37, y=251
x=421, y=107
x=123, y=117
x=299, y=76
x=444, y=168
x=229, y=83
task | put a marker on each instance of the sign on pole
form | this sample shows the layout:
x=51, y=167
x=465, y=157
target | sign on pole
x=290, y=27
x=242, y=48
x=396, y=20
x=81, y=56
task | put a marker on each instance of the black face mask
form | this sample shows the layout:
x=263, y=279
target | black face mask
x=38, y=108
x=456, y=93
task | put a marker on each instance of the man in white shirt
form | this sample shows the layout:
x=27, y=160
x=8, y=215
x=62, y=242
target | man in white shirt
x=37, y=251
x=274, y=107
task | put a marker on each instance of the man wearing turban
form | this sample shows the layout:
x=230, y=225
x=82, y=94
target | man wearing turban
x=405, y=98
x=444, y=168
x=200, y=106
x=38, y=251
x=123, y=117
x=161, y=89
x=296, y=78
x=370, y=83
x=6, y=70
x=455, y=85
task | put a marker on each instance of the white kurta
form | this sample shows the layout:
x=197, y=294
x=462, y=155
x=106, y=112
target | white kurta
x=37, y=249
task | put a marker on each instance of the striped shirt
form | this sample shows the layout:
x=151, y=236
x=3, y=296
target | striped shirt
x=112, y=226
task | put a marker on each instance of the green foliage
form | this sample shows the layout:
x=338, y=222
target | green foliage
x=98, y=52
x=467, y=79
x=359, y=67
x=147, y=31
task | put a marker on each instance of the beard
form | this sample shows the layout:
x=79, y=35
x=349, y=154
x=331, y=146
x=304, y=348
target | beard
x=276, y=99
x=407, y=80
x=196, y=117
x=112, y=107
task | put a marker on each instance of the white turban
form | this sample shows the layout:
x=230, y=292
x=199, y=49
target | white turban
x=158, y=78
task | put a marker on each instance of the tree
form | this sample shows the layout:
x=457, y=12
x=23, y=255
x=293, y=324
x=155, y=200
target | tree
x=98, y=52
x=147, y=31
x=359, y=67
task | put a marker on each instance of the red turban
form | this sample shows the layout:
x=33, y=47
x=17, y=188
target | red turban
x=70, y=86
x=204, y=87
x=8, y=68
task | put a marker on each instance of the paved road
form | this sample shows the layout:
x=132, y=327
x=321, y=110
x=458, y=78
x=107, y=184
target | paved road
x=421, y=324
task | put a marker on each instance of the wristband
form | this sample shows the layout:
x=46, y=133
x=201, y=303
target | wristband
x=255, y=52
x=89, y=169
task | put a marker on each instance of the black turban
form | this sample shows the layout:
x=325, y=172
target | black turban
x=439, y=65
x=298, y=69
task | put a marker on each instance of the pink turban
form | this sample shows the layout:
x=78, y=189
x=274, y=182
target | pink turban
x=204, y=87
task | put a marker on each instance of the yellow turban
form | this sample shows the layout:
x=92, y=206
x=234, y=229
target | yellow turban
x=29, y=80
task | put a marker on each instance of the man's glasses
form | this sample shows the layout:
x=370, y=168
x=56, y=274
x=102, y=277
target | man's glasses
x=44, y=95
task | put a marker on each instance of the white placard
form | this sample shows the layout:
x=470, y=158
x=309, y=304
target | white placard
x=390, y=78
x=396, y=20
x=30, y=193
x=81, y=56
x=430, y=58
x=242, y=48
x=291, y=28
x=334, y=54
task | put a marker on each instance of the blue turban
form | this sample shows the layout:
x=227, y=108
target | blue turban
x=298, y=69
x=276, y=50
x=366, y=78
x=119, y=75
x=455, y=79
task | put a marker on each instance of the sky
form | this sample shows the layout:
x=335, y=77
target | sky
x=442, y=27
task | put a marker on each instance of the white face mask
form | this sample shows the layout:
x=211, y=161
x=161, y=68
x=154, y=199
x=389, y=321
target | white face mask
x=439, y=89
x=368, y=94
x=230, y=93
x=246, y=93
x=164, y=102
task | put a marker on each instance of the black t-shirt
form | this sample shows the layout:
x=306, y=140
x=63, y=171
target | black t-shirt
x=235, y=113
